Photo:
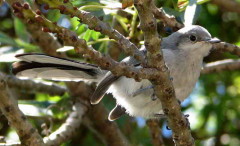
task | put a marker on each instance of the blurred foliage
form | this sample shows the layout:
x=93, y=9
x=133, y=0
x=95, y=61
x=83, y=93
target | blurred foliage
x=214, y=106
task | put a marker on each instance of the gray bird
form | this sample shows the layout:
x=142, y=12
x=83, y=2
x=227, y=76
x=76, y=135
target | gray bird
x=183, y=53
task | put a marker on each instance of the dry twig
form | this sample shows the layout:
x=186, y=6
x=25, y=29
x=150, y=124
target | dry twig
x=94, y=23
x=169, y=21
x=226, y=47
x=68, y=129
x=98, y=116
x=222, y=65
x=33, y=86
x=155, y=132
x=8, y=105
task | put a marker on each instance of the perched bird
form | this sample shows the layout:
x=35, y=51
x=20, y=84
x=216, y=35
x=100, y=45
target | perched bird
x=183, y=53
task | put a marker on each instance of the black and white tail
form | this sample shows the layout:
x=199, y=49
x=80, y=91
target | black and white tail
x=34, y=65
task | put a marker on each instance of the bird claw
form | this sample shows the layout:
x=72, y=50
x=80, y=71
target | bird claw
x=141, y=90
x=188, y=123
x=153, y=97
x=159, y=116
x=179, y=102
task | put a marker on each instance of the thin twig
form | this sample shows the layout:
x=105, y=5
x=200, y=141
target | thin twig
x=33, y=86
x=94, y=23
x=109, y=130
x=169, y=21
x=222, y=65
x=44, y=40
x=68, y=129
x=226, y=47
x=98, y=115
x=155, y=132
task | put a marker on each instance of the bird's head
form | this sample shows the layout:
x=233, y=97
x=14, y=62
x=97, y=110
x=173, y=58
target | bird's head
x=194, y=39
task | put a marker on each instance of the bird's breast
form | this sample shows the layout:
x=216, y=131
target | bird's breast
x=185, y=74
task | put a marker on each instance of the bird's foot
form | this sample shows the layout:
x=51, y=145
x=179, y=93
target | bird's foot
x=188, y=123
x=160, y=116
x=141, y=90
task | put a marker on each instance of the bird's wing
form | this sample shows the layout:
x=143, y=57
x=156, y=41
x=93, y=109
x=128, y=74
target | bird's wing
x=107, y=81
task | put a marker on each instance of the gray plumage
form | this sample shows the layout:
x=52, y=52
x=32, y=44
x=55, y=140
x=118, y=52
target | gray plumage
x=183, y=53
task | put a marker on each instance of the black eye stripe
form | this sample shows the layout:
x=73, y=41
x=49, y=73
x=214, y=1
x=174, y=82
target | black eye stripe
x=192, y=38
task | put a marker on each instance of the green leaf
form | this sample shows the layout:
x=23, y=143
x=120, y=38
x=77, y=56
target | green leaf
x=175, y=3
x=45, y=97
x=74, y=22
x=95, y=35
x=77, y=26
x=5, y=39
x=27, y=46
x=88, y=35
x=81, y=29
x=21, y=30
x=6, y=24
x=85, y=2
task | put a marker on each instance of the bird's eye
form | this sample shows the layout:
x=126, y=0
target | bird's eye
x=193, y=38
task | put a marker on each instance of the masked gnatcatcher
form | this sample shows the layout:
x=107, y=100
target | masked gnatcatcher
x=183, y=53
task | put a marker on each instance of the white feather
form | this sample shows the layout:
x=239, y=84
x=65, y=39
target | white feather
x=56, y=74
x=41, y=58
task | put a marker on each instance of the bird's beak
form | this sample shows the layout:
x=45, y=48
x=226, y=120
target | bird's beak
x=214, y=40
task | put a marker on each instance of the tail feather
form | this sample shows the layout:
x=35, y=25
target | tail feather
x=42, y=58
x=54, y=68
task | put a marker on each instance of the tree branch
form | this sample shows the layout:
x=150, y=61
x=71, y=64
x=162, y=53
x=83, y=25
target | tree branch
x=98, y=115
x=76, y=89
x=223, y=65
x=44, y=40
x=226, y=47
x=170, y=105
x=33, y=86
x=108, y=129
x=163, y=86
x=68, y=129
x=105, y=62
x=8, y=105
x=167, y=20
x=95, y=24
x=155, y=132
